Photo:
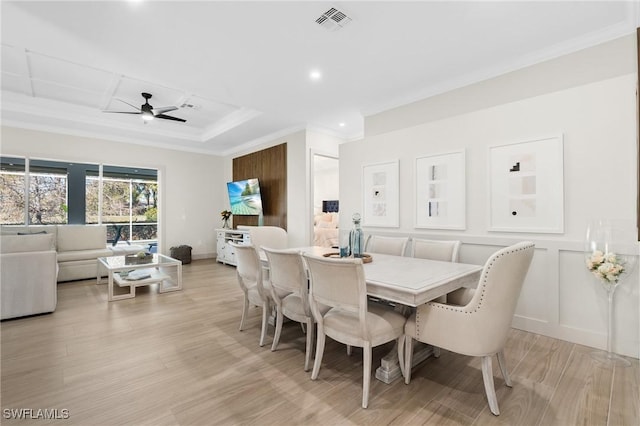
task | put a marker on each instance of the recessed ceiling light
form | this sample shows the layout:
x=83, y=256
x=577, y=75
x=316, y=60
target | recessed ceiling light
x=315, y=75
x=341, y=124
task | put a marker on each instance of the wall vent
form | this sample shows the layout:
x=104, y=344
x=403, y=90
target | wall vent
x=333, y=19
x=190, y=106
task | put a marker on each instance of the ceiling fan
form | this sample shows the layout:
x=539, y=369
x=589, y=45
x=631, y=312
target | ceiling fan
x=148, y=112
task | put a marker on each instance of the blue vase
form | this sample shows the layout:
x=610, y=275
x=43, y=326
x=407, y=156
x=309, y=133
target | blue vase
x=356, y=237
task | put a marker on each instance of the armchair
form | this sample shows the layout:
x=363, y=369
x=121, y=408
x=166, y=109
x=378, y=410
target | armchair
x=480, y=327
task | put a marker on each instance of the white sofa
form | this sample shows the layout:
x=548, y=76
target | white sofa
x=78, y=247
x=28, y=272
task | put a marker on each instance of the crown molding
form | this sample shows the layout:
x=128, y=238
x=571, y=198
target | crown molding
x=592, y=39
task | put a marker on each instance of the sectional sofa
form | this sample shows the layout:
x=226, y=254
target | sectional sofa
x=28, y=272
x=28, y=281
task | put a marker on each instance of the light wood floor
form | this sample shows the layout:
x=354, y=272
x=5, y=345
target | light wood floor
x=178, y=358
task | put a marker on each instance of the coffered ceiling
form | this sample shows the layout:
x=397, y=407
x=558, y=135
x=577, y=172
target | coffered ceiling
x=240, y=72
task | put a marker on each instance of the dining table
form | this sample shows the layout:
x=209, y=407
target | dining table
x=404, y=282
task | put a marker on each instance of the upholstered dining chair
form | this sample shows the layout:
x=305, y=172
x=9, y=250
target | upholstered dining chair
x=340, y=284
x=435, y=249
x=290, y=292
x=268, y=236
x=479, y=327
x=249, y=272
x=386, y=245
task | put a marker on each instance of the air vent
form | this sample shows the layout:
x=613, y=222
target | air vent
x=190, y=106
x=333, y=19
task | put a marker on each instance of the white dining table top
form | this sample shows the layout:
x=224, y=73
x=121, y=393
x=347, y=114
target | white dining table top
x=408, y=280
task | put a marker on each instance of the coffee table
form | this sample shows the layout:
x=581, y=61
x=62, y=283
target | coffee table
x=163, y=270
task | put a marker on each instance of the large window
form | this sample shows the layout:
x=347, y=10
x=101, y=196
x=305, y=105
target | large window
x=125, y=199
x=130, y=203
x=48, y=193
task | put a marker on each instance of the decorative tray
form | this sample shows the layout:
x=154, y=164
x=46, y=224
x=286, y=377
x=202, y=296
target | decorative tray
x=366, y=258
x=134, y=259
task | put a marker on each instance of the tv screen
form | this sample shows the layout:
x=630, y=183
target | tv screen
x=244, y=197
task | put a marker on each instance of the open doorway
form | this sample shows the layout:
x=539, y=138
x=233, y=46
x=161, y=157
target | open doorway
x=325, y=190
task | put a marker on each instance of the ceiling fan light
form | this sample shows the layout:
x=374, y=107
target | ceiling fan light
x=147, y=116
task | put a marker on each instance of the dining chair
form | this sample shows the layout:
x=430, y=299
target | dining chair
x=290, y=292
x=249, y=272
x=480, y=326
x=386, y=245
x=444, y=250
x=269, y=236
x=435, y=249
x=340, y=284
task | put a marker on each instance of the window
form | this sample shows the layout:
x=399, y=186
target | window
x=12, y=190
x=126, y=199
x=130, y=203
x=47, y=193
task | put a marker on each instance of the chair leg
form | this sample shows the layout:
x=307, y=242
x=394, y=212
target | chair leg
x=276, y=334
x=366, y=379
x=245, y=311
x=349, y=350
x=309, y=348
x=487, y=376
x=302, y=326
x=319, y=353
x=408, y=358
x=503, y=369
x=265, y=319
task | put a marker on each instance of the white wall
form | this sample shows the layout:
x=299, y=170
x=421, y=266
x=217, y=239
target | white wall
x=598, y=120
x=191, y=185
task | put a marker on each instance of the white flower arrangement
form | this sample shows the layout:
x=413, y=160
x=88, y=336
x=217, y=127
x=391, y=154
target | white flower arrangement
x=605, y=266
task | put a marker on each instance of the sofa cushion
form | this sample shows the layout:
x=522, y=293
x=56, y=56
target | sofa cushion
x=75, y=255
x=25, y=243
x=81, y=237
x=31, y=229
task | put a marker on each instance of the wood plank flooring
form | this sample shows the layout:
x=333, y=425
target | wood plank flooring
x=179, y=359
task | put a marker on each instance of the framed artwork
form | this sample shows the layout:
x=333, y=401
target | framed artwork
x=381, y=185
x=526, y=186
x=440, y=191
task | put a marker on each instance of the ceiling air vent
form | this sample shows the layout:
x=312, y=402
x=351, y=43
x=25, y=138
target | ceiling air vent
x=333, y=19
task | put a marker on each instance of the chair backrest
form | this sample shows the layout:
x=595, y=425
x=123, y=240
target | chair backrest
x=494, y=301
x=248, y=268
x=286, y=269
x=386, y=245
x=435, y=249
x=338, y=283
x=269, y=236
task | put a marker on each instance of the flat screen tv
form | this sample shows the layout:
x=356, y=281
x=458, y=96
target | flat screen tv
x=244, y=197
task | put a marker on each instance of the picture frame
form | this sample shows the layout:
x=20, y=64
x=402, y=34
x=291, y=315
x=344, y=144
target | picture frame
x=440, y=191
x=381, y=200
x=526, y=186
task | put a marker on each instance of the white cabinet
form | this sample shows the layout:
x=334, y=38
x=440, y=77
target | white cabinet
x=226, y=252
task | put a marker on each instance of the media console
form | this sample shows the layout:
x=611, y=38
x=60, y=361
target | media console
x=226, y=252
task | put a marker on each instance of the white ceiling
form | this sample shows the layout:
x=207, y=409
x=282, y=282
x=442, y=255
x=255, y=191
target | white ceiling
x=239, y=71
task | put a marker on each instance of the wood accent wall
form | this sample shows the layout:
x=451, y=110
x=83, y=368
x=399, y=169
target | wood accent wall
x=270, y=167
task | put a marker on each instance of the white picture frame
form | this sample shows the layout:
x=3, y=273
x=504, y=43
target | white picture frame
x=440, y=191
x=526, y=186
x=381, y=200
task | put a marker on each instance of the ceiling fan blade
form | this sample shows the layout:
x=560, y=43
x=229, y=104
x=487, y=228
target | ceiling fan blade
x=125, y=102
x=162, y=110
x=168, y=117
x=124, y=112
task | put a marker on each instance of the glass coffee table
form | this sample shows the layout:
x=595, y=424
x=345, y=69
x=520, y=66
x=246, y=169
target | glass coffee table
x=160, y=269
